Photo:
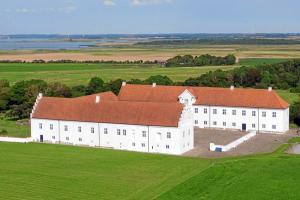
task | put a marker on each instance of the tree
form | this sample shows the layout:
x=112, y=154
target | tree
x=4, y=94
x=114, y=86
x=230, y=59
x=95, y=86
x=58, y=90
x=78, y=90
x=295, y=113
x=159, y=79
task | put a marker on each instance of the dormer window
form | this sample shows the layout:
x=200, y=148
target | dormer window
x=186, y=101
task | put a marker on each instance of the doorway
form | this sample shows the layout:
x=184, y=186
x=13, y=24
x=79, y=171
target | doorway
x=244, y=127
x=41, y=138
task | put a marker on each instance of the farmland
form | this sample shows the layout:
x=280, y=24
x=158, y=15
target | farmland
x=80, y=73
x=41, y=171
x=74, y=74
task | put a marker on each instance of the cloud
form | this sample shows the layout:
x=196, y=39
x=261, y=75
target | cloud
x=147, y=2
x=109, y=2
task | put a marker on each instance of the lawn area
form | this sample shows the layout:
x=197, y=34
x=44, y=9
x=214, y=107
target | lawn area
x=41, y=171
x=260, y=61
x=288, y=96
x=14, y=128
x=74, y=74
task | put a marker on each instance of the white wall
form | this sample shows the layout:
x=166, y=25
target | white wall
x=137, y=138
x=230, y=121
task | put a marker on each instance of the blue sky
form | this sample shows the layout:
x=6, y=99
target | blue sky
x=148, y=16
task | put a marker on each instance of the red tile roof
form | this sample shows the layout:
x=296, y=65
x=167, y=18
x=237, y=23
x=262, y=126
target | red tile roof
x=85, y=109
x=238, y=97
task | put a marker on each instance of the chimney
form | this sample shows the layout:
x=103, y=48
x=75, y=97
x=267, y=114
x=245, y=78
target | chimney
x=40, y=95
x=123, y=83
x=153, y=84
x=270, y=89
x=97, y=99
x=232, y=87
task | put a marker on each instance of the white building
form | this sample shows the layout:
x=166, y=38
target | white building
x=102, y=121
x=222, y=108
x=156, y=119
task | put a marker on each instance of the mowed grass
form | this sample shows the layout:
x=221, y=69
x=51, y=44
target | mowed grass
x=14, y=128
x=41, y=171
x=74, y=74
x=288, y=96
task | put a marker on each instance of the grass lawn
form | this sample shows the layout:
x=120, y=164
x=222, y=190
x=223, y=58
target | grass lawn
x=288, y=96
x=260, y=61
x=74, y=74
x=14, y=128
x=42, y=171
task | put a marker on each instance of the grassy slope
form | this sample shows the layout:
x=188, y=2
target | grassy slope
x=41, y=171
x=272, y=176
x=73, y=74
x=15, y=129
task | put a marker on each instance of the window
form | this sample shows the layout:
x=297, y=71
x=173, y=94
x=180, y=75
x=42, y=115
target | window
x=167, y=147
x=40, y=125
x=51, y=126
x=224, y=123
x=133, y=144
x=274, y=127
x=168, y=135
x=264, y=114
x=79, y=129
x=105, y=131
x=215, y=111
x=118, y=132
x=253, y=126
x=196, y=121
x=263, y=126
x=224, y=111
x=144, y=134
x=215, y=123
x=233, y=112
x=205, y=122
x=196, y=110
x=67, y=138
x=124, y=132
x=53, y=137
x=92, y=130
x=183, y=134
x=273, y=114
x=233, y=124
x=186, y=101
x=205, y=110
x=244, y=112
x=143, y=145
x=253, y=113
x=80, y=139
x=66, y=128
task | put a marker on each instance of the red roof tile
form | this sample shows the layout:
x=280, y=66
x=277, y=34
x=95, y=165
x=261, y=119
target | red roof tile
x=85, y=109
x=238, y=97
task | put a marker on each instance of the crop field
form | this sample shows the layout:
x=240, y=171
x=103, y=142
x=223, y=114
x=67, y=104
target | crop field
x=42, y=171
x=74, y=74
x=80, y=73
x=157, y=52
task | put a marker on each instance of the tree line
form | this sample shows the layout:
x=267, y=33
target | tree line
x=203, y=60
x=17, y=100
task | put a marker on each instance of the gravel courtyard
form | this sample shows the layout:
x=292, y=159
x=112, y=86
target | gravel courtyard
x=261, y=143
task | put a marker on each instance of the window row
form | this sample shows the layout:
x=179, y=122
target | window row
x=233, y=124
x=234, y=112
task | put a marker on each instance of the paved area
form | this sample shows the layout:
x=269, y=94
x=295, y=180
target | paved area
x=261, y=143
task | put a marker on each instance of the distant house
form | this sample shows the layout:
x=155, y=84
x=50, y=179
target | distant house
x=155, y=119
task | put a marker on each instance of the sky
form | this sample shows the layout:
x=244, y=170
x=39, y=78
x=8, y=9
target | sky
x=148, y=16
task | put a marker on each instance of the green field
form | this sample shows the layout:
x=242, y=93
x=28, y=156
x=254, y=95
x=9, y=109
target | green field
x=74, y=74
x=42, y=171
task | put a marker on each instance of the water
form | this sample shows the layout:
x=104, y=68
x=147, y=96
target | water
x=57, y=42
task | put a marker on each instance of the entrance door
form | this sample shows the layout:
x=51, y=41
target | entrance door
x=244, y=127
x=41, y=138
